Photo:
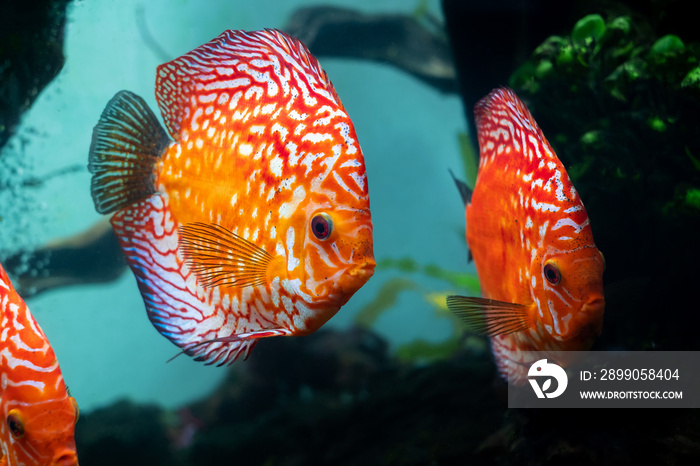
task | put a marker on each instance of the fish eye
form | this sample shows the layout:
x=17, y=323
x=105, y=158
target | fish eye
x=75, y=407
x=321, y=225
x=552, y=274
x=14, y=422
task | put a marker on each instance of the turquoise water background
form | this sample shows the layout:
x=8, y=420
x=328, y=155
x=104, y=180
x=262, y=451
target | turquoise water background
x=408, y=131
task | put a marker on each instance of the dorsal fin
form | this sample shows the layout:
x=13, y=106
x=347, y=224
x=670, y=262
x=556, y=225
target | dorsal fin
x=230, y=65
x=464, y=191
x=503, y=103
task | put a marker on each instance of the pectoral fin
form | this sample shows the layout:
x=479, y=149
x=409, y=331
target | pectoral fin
x=219, y=257
x=488, y=316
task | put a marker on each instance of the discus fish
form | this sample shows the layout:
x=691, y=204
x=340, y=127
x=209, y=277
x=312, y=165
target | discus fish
x=38, y=414
x=254, y=220
x=528, y=232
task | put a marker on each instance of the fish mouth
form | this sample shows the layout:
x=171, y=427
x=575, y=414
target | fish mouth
x=593, y=310
x=65, y=458
x=358, y=275
x=595, y=306
x=364, y=271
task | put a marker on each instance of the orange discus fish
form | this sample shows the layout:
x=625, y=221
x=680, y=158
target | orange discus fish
x=38, y=415
x=528, y=232
x=254, y=220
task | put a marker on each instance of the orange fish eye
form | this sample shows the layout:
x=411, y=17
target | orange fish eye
x=14, y=422
x=75, y=407
x=552, y=274
x=322, y=226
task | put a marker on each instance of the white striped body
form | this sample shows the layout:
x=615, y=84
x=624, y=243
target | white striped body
x=263, y=153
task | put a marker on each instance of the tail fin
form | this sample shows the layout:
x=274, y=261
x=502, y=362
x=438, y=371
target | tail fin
x=126, y=144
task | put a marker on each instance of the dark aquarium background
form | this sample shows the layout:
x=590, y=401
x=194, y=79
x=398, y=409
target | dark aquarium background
x=394, y=378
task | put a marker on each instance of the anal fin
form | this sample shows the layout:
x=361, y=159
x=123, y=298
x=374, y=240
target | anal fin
x=226, y=350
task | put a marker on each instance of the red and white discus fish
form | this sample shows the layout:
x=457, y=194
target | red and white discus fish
x=255, y=221
x=528, y=232
x=38, y=415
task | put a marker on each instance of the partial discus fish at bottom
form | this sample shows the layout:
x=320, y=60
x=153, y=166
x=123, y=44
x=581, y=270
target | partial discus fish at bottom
x=38, y=414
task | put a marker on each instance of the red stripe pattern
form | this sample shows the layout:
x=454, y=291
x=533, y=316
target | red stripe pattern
x=262, y=147
x=38, y=415
x=525, y=224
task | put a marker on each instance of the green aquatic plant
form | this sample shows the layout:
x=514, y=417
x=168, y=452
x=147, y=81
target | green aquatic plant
x=621, y=107
x=468, y=281
x=424, y=350
x=385, y=300
x=620, y=104
x=589, y=29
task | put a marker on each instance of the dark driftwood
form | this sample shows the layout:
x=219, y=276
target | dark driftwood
x=31, y=54
x=418, y=48
x=92, y=256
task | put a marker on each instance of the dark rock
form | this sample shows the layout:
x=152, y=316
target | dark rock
x=124, y=433
x=491, y=39
x=31, y=55
x=336, y=397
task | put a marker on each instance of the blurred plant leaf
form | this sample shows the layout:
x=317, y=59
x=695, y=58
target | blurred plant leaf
x=591, y=27
x=426, y=350
x=386, y=297
x=668, y=44
x=438, y=300
x=462, y=280
x=470, y=158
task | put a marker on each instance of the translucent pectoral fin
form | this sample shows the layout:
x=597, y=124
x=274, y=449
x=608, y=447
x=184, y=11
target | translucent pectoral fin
x=219, y=257
x=488, y=316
